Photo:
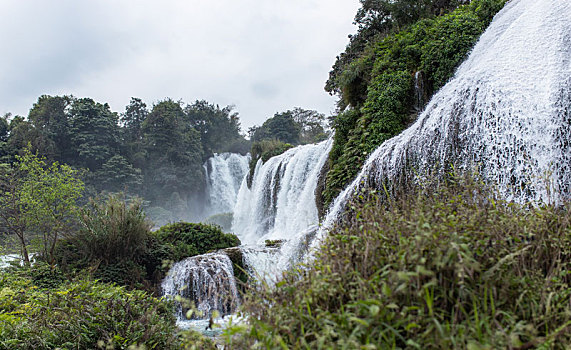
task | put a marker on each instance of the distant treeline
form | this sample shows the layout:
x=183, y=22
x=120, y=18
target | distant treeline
x=156, y=153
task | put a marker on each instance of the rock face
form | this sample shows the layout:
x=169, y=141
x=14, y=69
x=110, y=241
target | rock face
x=236, y=255
x=321, y=184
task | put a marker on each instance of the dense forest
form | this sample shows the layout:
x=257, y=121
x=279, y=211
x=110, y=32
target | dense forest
x=90, y=198
x=153, y=153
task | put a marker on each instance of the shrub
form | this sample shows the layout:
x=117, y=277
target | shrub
x=446, y=266
x=112, y=243
x=184, y=239
x=84, y=315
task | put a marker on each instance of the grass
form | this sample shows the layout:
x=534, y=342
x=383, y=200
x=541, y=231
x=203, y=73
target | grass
x=448, y=266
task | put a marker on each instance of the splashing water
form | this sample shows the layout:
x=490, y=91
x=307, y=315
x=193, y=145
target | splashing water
x=207, y=280
x=281, y=200
x=507, y=112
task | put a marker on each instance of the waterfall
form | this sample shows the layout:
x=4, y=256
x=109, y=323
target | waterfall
x=506, y=112
x=281, y=200
x=207, y=280
x=280, y=205
x=224, y=175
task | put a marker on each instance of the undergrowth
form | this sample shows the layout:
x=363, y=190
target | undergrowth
x=443, y=267
x=85, y=314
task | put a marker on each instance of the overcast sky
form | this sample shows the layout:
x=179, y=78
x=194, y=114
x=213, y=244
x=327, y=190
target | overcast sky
x=262, y=56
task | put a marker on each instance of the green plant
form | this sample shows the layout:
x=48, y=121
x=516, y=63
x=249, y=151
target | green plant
x=84, y=314
x=445, y=265
x=378, y=84
x=184, y=239
x=112, y=242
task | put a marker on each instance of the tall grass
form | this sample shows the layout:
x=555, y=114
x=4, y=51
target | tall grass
x=447, y=266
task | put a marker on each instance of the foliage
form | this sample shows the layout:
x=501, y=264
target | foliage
x=296, y=126
x=376, y=19
x=376, y=87
x=174, y=156
x=84, y=314
x=156, y=153
x=112, y=242
x=281, y=127
x=184, y=239
x=219, y=128
x=42, y=200
x=50, y=117
x=118, y=175
x=115, y=244
x=444, y=266
x=94, y=133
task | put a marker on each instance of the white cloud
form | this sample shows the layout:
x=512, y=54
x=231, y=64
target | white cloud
x=262, y=56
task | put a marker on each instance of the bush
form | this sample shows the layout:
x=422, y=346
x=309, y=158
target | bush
x=83, y=315
x=112, y=243
x=445, y=266
x=183, y=239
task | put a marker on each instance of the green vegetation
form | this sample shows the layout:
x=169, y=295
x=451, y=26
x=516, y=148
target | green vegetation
x=374, y=78
x=84, y=314
x=186, y=239
x=115, y=244
x=154, y=153
x=180, y=240
x=297, y=126
x=445, y=266
x=38, y=202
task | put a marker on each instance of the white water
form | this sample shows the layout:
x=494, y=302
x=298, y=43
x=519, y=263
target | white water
x=207, y=280
x=280, y=205
x=224, y=175
x=6, y=260
x=506, y=112
x=281, y=200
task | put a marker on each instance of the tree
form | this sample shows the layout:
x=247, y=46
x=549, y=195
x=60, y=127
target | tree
x=11, y=211
x=50, y=116
x=117, y=175
x=135, y=114
x=311, y=123
x=174, y=154
x=46, y=198
x=281, y=127
x=218, y=128
x=24, y=134
x=94, y=133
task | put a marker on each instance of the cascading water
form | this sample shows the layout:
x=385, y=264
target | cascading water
x=224, y=174
x=280, y=205
x=281, y=200
x=507, y=112
x=207, y=280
